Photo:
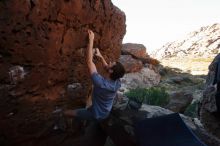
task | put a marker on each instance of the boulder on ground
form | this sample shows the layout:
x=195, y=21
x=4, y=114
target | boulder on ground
x=130, y=64
x=136, y=50
x=179, y=101
x=145, y=78
x=208, y=104
x=120, y=125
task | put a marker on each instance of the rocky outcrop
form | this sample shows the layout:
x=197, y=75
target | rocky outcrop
x=42, y=54
x=179, y=101
x=194, y=52
x=141, y=69
x=132, y=56
x=136, y=50
x=201, y=43
x=139, y=52
x=123, y=118
x=146, y=77
x=208, y=105
x=47, y=38
x=130, y=64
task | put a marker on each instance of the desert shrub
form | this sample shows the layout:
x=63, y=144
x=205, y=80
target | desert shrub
x=192, y=110
x=152, y=96
x=215, y=51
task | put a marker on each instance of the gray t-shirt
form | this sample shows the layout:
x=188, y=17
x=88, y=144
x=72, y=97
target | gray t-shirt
x=104, y=92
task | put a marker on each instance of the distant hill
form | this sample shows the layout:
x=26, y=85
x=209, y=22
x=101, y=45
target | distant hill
x=192, y=53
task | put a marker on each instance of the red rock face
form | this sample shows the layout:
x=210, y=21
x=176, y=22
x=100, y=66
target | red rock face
x=47, y=38
x=42, y=53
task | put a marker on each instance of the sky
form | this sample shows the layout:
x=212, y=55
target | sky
x=153, y=23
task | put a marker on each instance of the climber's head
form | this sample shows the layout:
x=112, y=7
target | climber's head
x=116, y=70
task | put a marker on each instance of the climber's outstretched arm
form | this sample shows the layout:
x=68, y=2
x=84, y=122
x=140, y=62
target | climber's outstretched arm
x=98, y=54
x=89, y=59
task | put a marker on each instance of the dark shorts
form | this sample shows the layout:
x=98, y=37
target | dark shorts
x=84, y=114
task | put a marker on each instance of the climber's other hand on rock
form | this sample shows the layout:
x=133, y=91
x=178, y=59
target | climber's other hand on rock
x=91, y=35
x=97, y=53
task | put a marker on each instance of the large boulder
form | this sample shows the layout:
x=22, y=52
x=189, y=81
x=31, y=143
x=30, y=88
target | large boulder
x=120, y=125
x=146, y=77
x=47, y=38
x=136, y=50
x=130, y=64
x=208, y=105
x=42, y=54
x=179, y=101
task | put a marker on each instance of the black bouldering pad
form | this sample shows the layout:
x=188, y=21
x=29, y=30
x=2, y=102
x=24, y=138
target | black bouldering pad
x=168, y=130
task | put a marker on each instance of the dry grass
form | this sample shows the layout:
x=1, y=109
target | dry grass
x=202, y=60
x=195, y=66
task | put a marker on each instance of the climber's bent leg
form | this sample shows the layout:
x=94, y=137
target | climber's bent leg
x=81, y=114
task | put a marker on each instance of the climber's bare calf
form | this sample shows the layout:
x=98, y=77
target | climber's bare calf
x=70, y=113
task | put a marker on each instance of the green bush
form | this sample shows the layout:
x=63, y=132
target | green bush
x=192, y=110
x=152, y=96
